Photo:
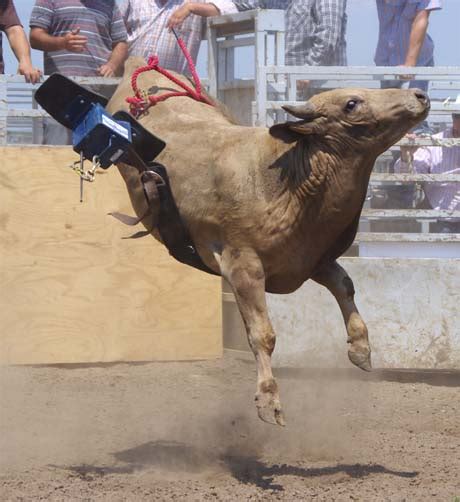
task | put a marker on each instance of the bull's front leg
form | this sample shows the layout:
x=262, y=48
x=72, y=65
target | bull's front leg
x=337, y=281
x=244, y=272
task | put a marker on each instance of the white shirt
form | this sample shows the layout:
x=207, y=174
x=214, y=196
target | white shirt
x=148, y=35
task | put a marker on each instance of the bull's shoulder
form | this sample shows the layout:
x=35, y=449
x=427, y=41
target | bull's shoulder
x=342, y=243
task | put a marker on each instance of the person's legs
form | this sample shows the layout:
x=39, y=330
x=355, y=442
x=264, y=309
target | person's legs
x=391, y=84
x=55, y=134
x=421, y=84
x=448, y=227
x=423, y=127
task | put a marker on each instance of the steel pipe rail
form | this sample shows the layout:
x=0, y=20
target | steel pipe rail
x=450, y=73
x=405, y=237
x=431, y=214
x=415, y=177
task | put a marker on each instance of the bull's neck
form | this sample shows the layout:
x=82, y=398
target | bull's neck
x=325, y=185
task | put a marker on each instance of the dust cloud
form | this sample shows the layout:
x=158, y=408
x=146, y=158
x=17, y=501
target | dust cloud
x=190, y=431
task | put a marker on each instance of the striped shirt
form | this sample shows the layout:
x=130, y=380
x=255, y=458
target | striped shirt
x=99, y=20
x=395, y=24
x=315, y=29
x=437, y=160
x=148, y=34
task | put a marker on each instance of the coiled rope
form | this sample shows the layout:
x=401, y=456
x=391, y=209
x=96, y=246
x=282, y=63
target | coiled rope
x=141, y=101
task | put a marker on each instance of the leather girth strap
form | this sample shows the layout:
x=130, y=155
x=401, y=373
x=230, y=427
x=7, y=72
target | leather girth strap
x=167, y=219
x=172, y=229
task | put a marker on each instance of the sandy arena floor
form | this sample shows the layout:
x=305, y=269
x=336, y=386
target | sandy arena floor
x=189, y=431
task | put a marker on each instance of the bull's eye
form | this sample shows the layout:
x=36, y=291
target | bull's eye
x=351, y=105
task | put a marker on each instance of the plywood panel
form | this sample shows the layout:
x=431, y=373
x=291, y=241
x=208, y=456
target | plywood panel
x=72, y=290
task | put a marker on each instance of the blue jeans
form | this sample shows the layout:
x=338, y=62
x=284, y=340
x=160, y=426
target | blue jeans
x=413, y=84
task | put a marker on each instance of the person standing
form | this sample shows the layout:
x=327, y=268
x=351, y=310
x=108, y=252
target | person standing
x=315, y=33
x=437, y=160
x=149, y=24
x=11, y=26
x=403, y=38
x=315, y=29
x=79, y=38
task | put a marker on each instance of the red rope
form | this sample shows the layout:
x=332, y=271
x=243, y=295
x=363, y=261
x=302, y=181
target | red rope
x=138, y=103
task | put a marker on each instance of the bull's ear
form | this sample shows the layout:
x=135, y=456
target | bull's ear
x=293, y=131
x=285, y=133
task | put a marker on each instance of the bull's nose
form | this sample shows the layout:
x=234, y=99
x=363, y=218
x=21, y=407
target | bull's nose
x=422, y=96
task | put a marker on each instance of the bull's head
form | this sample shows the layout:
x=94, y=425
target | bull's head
x=363, y=120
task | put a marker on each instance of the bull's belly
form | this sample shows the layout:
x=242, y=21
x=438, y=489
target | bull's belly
x=286, y=269
x=287, y=264
x=283, y=285
x=286, y=272
x=289, y=278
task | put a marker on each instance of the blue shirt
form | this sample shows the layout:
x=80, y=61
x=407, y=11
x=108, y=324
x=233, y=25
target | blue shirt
x=395, y=24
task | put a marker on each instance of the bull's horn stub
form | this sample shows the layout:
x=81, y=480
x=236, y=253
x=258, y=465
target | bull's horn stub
x=305, y=111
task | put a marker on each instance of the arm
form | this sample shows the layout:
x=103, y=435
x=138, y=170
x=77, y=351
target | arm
x=19, y=45
x=260, y=4
x=328, y=32
x=200, y=9
x=116, y=60
x=249, y=4
x=73, y=42
x=419, y=159
x=118, y=35
x=417, y=37
x=203, y=9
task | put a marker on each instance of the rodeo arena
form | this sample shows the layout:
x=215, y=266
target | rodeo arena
x=183, y=184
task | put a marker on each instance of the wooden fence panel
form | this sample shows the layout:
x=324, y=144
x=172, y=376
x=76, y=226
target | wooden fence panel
x=74, y=291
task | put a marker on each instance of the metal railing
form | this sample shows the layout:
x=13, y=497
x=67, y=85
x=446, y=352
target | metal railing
x=271, y=99
x=259, y=101
x=19, y=111
x=441, y=79
x=275, y=85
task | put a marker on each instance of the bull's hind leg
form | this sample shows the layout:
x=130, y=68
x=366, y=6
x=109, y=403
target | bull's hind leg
x=338, y=282
x=244, y=272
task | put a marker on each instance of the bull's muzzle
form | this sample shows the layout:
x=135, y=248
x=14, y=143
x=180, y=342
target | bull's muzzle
x=423, y=97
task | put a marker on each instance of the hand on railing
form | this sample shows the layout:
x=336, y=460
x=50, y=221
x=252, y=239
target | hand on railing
x=407, y=153
x=31, y=74
x=106, y=70
x=405, y=76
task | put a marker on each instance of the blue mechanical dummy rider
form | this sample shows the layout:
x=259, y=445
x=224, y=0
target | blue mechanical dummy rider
x=106, y=139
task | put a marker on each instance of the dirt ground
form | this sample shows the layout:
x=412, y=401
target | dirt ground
x=189, y=431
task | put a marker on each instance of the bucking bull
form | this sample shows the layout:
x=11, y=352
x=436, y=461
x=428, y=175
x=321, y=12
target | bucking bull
x=269, y=209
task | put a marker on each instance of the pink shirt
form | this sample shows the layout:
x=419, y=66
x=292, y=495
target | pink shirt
x=437, y=160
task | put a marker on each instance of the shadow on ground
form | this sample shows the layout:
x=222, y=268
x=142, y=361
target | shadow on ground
x=250, y=470
x=439, y=378
x=178, y=457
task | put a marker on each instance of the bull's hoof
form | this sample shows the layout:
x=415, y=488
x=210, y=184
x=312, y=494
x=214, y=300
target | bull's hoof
x=270, y=411
x=268, y=404
x=360, y=357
